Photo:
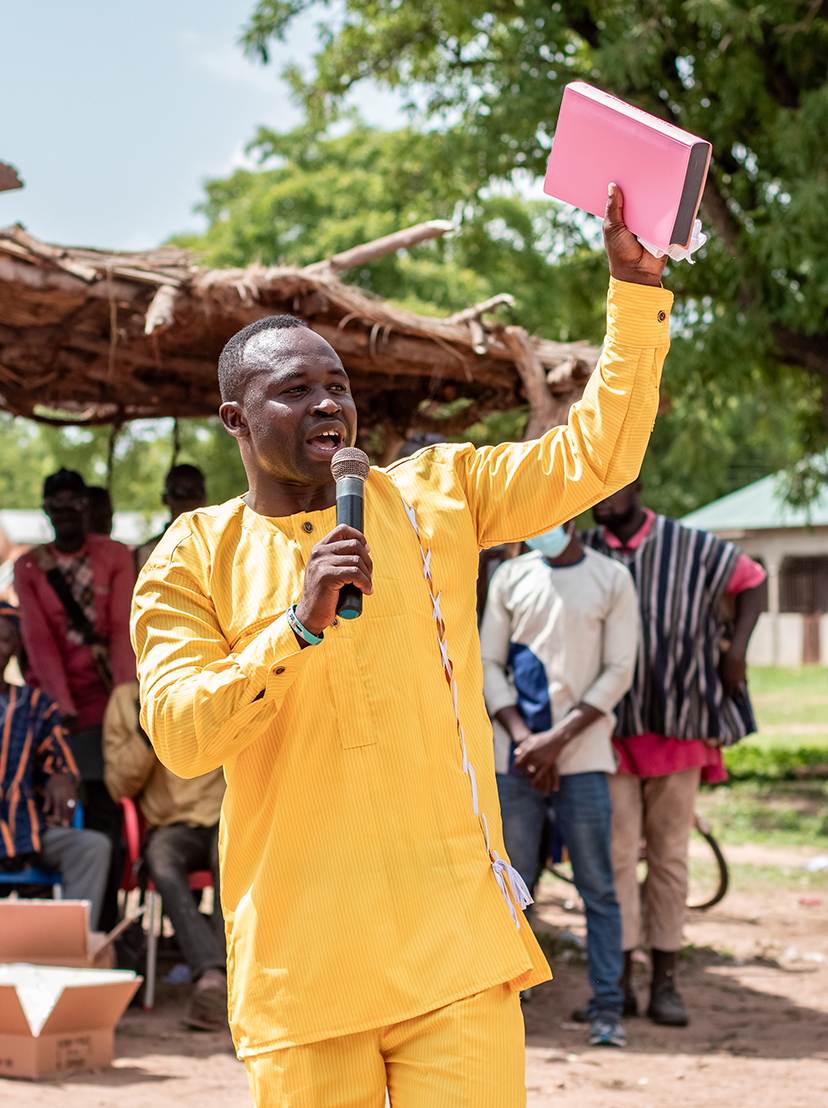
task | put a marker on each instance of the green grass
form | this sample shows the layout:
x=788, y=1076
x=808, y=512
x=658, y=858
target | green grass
x=771, y=795
x=791, y=708
x=784, y=697
x=787, y=813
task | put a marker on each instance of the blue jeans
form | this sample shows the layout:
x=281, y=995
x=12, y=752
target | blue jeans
x=582, y=813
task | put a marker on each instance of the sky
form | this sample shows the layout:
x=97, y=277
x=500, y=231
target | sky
x=115, y=113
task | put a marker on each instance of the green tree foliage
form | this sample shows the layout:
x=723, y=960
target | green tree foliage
x=317, y=194
x=753, y=78
x=141, y=457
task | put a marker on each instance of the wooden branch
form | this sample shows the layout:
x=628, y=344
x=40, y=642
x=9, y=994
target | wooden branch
x=17, y=241
x=38, y=277
x=542, y=408
x=808, y=351
x=477, y=310
x=721, y=219
x=478, y=335
x=388, y=244
x=161, y=312
x=8, y=178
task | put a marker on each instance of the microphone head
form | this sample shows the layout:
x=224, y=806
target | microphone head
x=350, y=461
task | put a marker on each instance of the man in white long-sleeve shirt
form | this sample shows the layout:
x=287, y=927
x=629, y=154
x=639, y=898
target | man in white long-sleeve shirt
x=559, y=640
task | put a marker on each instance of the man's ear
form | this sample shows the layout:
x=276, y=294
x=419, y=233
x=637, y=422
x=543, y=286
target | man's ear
x=233, y=417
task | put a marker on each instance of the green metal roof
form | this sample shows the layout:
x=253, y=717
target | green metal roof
x=757, y=507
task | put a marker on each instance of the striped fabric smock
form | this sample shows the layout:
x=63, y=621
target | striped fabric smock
x=360, y=883
x=33, y=746
x=681, y=575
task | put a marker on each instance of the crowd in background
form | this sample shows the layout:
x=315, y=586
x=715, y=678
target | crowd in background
x=72, y=742
x=614, y=674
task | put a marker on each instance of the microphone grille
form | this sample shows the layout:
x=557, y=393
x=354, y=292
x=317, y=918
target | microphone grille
x=349, y=461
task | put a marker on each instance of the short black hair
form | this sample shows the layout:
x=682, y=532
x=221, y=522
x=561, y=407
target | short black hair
x=98, y=494
x=187, y=473
x=231, y=359
x=61, y=481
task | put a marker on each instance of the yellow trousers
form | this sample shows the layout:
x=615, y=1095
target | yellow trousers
x=469, y=1054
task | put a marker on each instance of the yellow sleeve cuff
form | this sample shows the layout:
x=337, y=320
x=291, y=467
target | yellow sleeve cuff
x=274, y=659
x=638, y=315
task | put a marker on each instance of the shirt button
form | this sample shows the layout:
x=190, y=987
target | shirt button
x=662, y=316
x=279, y=671
x=308, y=526
x=336, y=623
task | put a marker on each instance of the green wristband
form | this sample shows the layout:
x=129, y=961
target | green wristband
x=299, y=629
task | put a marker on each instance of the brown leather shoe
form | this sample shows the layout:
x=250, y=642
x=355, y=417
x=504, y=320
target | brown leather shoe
x=208, y=1006
x=666, y=1006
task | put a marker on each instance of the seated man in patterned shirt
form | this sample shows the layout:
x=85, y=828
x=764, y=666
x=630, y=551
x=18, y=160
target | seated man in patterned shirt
x=38, y=786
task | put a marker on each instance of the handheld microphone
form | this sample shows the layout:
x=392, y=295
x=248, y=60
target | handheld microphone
x=350, y=468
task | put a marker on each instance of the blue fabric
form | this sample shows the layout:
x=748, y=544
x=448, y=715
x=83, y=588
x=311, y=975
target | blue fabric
x=32, y=748
x=532, y=687
x=582, y=814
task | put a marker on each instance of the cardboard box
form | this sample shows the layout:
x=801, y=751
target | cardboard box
x=53, y=933
x=55, y=1021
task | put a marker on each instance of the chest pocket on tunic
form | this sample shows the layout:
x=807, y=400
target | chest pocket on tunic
x=350, y=693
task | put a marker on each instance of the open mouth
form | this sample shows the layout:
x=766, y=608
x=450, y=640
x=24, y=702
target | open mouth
x=326, y=442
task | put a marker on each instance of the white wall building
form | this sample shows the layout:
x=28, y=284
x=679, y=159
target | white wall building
x=792, y=545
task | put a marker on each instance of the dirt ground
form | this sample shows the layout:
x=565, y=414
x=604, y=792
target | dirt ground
x=755, y=978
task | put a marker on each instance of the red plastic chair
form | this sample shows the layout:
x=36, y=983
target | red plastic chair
x=199, y=880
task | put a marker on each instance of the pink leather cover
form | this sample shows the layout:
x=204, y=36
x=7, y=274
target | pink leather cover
x=600, y=139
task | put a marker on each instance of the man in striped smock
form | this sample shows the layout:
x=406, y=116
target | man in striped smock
x=687, y=701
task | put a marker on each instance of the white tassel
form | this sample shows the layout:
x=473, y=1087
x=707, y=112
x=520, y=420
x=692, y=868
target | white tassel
x=517, y=886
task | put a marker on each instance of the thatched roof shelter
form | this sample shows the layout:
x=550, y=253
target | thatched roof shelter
x=90, y=336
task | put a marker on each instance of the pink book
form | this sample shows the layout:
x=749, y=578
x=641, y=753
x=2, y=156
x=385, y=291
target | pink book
x=660, y=169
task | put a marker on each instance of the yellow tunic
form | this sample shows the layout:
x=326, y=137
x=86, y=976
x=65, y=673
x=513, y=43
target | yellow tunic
x=356, y=883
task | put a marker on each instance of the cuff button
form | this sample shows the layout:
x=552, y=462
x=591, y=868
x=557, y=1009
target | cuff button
x=279, y=671
x=662, y=316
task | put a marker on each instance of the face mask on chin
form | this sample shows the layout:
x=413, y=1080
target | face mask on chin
x=552, y=544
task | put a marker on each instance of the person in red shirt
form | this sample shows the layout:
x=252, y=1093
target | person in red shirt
x=75, y=596
x=688, y=700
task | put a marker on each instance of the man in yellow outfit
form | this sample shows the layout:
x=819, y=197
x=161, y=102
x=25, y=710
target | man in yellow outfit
x=374, y=925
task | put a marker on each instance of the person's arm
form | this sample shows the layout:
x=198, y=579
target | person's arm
x=620, y=645
x=129, y=759
x=518, y=490
x=538, y=754
x=733, y=664
x=45, y=657
x=122, y=582
x=55, y=770
x=495, y=637
x=201, y=702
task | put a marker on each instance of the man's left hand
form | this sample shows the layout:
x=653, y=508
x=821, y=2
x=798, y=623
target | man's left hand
x=61, y=800
x=733, y=672
x=538, y=755
x=628, y=260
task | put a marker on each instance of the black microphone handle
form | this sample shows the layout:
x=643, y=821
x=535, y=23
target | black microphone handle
x=350, y=509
